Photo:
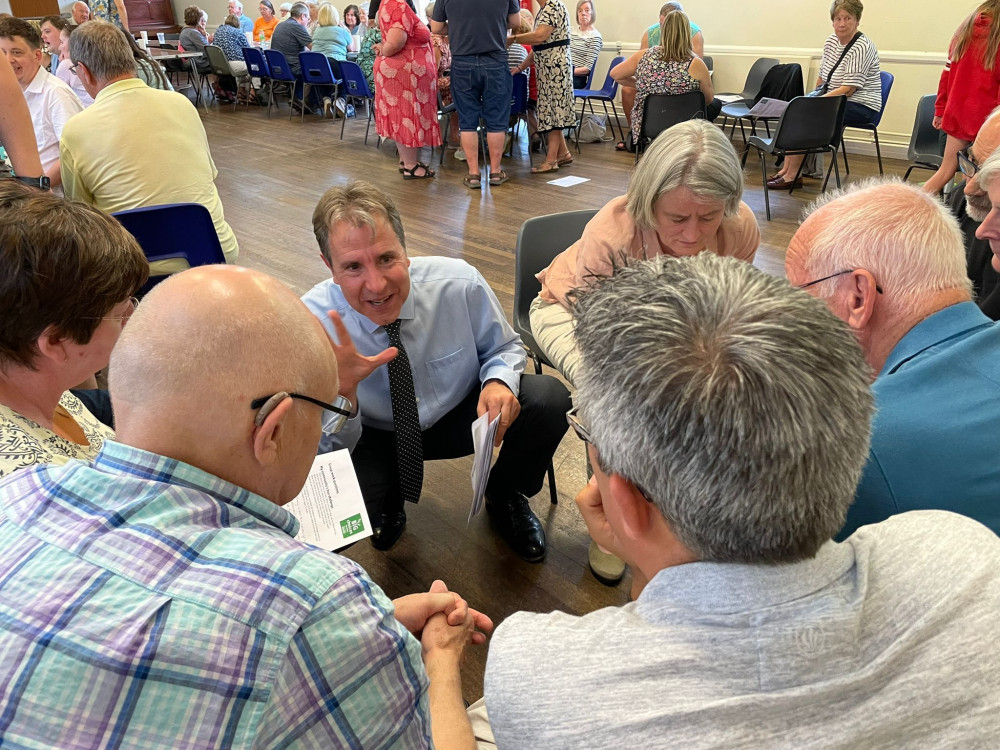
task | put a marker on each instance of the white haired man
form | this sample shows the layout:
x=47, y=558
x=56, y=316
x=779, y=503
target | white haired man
x=889, y=261
x=454, y=357
x=970, y=206
x=157, y=597
x=106, y=161
x=987, y=182
x=236, y=9
x=727, y=419
x=81, y=12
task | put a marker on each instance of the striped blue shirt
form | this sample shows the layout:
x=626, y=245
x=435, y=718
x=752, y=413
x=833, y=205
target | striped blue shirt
x=145, y=603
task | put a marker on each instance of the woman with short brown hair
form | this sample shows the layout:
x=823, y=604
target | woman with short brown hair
x=68, y=274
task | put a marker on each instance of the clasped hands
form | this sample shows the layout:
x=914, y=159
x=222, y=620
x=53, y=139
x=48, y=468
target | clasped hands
x=443, y=621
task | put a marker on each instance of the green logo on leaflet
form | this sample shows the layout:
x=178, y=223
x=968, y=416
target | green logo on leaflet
x=351, y=526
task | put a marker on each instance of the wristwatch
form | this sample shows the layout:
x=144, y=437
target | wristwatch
x=42, y=183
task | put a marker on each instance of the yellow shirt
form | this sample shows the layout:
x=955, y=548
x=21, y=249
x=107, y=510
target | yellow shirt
x=137, y=146
x=24, y=442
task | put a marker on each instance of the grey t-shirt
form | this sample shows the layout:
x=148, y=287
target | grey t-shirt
x=887, y=640
x=290, y=38
x=476, y=27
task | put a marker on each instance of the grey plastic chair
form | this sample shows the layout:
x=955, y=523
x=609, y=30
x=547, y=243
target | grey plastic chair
x=736, y=111
x=810, y=125
x=925, y=150
x=219, y=64
x=539, y=240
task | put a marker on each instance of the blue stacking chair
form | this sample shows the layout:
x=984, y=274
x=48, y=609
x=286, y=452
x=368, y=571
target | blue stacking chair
x=356, y=88
x=316, y=71
x=280, y=73
x=174, y=230
x=886, y=80
x=603, y=95
x=256, y=68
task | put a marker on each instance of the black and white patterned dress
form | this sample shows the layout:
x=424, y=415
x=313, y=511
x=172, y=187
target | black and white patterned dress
x=554, y=71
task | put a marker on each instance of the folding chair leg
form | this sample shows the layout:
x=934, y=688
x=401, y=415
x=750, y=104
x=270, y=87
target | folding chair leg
x=878, y=152
x=836, y=171
x=797, y=175
x=343, y=122
x=843, y=149
x=368, y=125
x=552, y=484
x=621, y=131
x=763, y=174
x=907, y=175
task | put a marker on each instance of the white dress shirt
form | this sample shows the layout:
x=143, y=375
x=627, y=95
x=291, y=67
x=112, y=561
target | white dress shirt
x=51, y=103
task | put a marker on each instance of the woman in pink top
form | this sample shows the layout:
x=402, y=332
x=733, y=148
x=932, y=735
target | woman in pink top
x=684, y=197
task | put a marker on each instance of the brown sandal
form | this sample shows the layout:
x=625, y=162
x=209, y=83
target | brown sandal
x=547, y=166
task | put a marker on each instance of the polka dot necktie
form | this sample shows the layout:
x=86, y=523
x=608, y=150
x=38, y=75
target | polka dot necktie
x=405, y=420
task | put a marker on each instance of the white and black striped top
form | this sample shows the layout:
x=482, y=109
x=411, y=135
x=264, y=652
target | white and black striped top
x=859, y=69
x=584, y=48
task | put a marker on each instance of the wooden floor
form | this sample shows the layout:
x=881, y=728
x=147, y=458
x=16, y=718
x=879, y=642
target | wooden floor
x=271, y=174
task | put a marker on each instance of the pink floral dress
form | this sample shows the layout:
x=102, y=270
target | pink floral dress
x=406, y=83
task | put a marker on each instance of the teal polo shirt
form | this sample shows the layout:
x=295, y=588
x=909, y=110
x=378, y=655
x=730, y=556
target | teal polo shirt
x=934, y=435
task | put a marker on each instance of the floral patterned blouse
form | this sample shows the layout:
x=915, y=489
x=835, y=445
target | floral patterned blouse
x=654, y=76
x=24, y=442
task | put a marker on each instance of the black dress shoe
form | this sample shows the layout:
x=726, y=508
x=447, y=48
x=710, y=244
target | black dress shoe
x=389, y=530
x=512, y=518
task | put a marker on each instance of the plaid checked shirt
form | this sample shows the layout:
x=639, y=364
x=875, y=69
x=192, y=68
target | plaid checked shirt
x=145, y=603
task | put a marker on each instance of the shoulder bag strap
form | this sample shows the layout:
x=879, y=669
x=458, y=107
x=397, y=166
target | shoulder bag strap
x=829, y=76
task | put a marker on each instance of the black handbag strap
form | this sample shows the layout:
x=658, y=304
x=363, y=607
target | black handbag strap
x=829, y=76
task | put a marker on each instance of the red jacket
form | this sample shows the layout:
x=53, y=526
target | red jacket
x=967, y=92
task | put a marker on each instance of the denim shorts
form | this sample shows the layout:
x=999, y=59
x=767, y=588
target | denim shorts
x=481, y=87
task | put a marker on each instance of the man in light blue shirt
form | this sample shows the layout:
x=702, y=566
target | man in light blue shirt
x=236, y=9
x=890, y=262
x=465, y=360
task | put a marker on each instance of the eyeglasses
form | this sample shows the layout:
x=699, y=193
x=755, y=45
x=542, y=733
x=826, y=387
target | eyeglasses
x=966, y=163
x=334, y=416
x=134, y=301
x=573, y=419
x=833, y=276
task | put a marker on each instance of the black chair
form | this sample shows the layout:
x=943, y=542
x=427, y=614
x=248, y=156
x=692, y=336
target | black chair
x=925, y=150
x=810, y=125
x=539, y=240
x=661, y=111
x=737, y=110
x=886, y=81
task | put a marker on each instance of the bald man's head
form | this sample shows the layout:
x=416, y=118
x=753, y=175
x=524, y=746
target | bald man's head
x=200, y=348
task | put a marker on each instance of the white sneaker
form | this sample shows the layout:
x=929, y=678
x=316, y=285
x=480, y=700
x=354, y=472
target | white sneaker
x=327, y=105
x=341, y=105
x=460, y=155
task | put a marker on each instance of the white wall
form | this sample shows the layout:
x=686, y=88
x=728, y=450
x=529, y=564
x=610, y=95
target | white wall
x=912, y=37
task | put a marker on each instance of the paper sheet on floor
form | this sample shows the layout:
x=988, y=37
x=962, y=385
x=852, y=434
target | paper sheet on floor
x=483, y=434
x=330, y=508
x=568, y=181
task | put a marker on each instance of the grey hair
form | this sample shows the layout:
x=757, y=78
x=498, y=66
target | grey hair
x=740, y=406
x=593, y=10
x=103, y=49
x=356, y=203
x=989, y=171
x=238, y=4
x=693, y=154
x=298, y=10
x=669, y=6
x=908, y=240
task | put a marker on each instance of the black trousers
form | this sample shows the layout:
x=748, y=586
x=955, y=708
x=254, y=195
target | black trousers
x=524, y=457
